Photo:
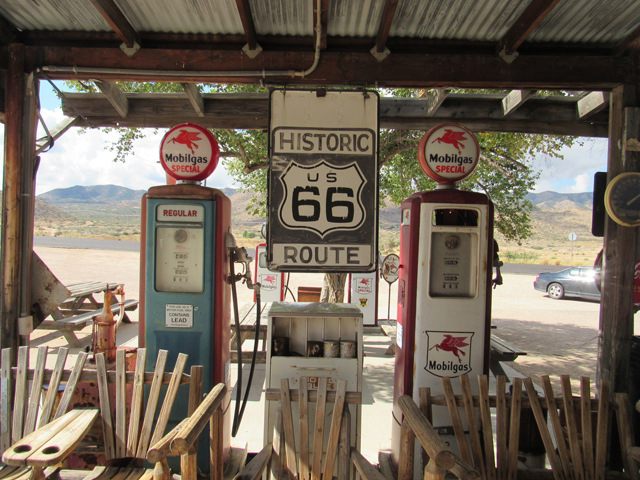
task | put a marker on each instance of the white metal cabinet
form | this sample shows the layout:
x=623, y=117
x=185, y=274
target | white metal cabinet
x=301, y=323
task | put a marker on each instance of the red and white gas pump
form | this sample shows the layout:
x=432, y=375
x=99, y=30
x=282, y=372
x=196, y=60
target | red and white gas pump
x=444, y=289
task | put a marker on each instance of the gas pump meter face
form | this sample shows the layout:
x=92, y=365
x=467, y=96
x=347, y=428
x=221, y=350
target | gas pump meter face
x=179, y=259
x=454, y=253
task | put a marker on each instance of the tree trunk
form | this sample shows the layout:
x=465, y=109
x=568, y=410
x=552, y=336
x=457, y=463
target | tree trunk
x=333, y=291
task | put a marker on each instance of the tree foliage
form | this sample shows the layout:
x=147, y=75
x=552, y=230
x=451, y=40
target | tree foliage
x=505, y=172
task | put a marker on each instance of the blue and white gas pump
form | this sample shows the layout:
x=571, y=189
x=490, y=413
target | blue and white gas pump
x=185, y=279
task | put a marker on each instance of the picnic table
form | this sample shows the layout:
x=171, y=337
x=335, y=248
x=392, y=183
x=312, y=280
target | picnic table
x=78, y=310
x=82, y=298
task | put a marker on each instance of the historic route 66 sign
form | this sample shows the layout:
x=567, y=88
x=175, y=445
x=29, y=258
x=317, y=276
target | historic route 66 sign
x=322, y=198
x=323, y=181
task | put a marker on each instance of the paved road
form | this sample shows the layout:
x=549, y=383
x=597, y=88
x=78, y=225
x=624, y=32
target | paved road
x=129, y=246
x=86, y=243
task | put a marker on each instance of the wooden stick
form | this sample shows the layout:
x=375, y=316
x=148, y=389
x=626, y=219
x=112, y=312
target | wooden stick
x=437, y=451
x=303, y=428
x=344, y=446
x=196, y=423
x=121, y=405
x=152, y=404
x=277, y=460
x=541, y=421
x=169, y=398
x=487, y=428
x=623, y=414
x=287, y=423
x=458, y=429
x=52, y=389
x=189, y=461
x=554, y=418
x=137, y=399
x=36, y=390
x=572, y=428
x=6, y=392
x=474, y=433
x=318, y=431
x=105, y=407
x=20, y=400
x=407, y=452
x=514, y=428
x=76, y=374
x=273, y=395
x=602, y=430
x=334, y=431
x=587, y=433
x=501, y=427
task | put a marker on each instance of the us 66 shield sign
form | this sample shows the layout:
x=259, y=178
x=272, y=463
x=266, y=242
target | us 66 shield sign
x=323, y=181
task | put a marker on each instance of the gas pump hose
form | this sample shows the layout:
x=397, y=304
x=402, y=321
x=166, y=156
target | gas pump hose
x=239, y=410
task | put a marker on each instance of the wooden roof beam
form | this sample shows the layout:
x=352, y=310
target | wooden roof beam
x=252, y=49
x=514, y=100
x=119, y=23
x=435, y=98
x=533, y=15
x=591, y=104
x=195, y=97
x=630, y=42
x=380, y=51
x=7, y=32
x=115, y=96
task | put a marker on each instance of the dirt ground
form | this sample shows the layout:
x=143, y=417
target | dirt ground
x=559, y=336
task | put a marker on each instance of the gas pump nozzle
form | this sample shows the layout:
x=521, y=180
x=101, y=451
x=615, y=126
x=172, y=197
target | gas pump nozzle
x=240, y=255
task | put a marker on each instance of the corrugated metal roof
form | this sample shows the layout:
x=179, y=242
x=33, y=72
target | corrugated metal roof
x=588, y=21
x=571, y=21
x=53, y=15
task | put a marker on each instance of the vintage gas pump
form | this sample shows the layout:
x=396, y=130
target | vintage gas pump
x=444, y=290
x=184, y=274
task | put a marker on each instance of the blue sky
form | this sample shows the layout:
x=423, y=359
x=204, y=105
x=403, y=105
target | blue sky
x=83, y=159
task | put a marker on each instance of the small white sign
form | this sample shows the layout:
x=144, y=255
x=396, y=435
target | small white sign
x=573, y=236
x=178, y=316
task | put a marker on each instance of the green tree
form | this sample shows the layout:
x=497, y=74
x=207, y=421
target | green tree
x=505, y=172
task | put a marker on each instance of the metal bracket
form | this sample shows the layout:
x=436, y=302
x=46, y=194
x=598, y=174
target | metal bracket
x=130, y=51
x=380, y=56
x=252, y=53
x=25, y=325
x=509, y=58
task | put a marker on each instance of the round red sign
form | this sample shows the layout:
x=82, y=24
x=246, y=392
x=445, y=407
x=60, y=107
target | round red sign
x=189, y=152
x=448, y=153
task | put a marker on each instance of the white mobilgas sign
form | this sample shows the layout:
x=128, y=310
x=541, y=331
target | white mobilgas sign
x=323, y=181
x=448, y=153
x=189, y=152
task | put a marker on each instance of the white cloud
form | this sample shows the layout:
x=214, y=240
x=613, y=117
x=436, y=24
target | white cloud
x=573, y=174
x=80, y=158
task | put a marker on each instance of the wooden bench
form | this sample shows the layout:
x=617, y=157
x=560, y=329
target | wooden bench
x=136, y=431
x=502, y=351
x=68, y=325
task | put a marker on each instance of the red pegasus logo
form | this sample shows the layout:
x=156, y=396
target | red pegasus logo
x=452, y=138
x=452, y=344
x=365, y=281
x=270, y=278
x=187, y=138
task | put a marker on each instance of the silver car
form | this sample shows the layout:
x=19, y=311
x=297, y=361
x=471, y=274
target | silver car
x=571, y=282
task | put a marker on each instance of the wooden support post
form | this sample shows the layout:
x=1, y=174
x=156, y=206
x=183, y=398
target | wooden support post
x=17, y=198
x=407, y=449
x=616, y=308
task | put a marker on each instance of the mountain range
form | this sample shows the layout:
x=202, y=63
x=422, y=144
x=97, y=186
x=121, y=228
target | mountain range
x=71, y=199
